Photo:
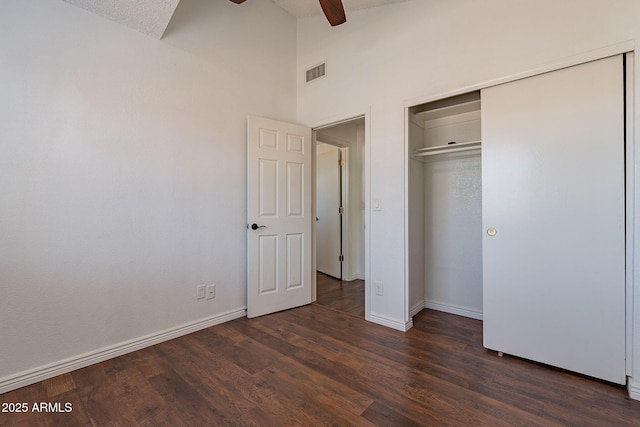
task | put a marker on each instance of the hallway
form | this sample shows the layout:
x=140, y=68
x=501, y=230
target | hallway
x=346, y=297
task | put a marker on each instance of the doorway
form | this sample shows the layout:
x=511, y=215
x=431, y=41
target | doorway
x=340, y=216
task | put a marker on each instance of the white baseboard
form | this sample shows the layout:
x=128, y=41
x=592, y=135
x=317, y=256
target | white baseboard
x=76, y=362
x=460, y=311
x=390, y=323
x=634, y=389
x=416, y=308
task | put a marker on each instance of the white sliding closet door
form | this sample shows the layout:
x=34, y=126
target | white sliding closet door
x=553, y=218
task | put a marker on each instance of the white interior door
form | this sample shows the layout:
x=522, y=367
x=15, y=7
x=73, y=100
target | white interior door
x=328, y=240
x=553, y=215
x=278, y=216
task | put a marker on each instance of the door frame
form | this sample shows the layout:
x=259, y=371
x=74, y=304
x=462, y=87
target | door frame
x=632, y=185
x=366, y=177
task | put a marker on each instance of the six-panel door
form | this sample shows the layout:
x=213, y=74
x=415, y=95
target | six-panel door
x=279, y=204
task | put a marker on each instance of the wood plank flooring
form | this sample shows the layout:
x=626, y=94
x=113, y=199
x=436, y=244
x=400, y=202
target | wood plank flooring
x=315, y=366
x=347, y=297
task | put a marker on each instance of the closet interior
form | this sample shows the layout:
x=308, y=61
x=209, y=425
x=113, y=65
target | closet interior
x=445, y=206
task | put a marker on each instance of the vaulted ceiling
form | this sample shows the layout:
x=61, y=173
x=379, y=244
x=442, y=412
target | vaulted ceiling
x=152, y=16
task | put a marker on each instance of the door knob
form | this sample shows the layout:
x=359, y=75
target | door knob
x=255, y=226
x=492, y=231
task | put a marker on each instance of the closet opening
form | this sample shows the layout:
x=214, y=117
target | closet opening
x=509, y=229
x=445, y=206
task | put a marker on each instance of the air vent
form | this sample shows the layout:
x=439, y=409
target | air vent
x=316, y=72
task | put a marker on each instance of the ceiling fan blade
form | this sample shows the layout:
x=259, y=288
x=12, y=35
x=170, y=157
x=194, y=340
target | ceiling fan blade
x=334, y=11
x=238, y=1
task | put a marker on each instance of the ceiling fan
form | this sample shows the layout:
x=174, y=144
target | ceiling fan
x=333, y=10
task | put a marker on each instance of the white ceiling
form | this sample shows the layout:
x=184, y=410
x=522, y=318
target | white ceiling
x=152, y=16
x=149, y=16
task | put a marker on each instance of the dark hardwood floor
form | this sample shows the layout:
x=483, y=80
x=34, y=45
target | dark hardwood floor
x=347, y=297
x=317, y=366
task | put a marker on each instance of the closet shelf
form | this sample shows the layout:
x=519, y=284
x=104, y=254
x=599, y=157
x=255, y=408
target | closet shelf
x=449, y=148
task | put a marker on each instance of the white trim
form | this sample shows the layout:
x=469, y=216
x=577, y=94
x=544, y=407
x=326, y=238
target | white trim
x=629, y=204
x=634, y=392
x=407, y=155
x=416, y=308
x=353, y=276
x=314, y=213
x=338, y=120
x=453, y=309
x=390, y=323
x=51, y=370
x=367, y=213
x=634, y=389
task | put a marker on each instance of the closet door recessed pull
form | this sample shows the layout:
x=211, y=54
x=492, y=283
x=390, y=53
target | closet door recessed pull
x=492, y=231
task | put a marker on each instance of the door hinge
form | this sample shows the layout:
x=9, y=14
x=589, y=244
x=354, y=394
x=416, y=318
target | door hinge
x=340, y=210
x=340, y=162
x=341, y=258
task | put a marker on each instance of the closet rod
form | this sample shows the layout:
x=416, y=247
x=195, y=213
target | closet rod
x=449, y=148
x=453, y=150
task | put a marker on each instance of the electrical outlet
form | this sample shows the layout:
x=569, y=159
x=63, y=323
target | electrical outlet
x=200, y=292
x=379, y=288
x=211, y=291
